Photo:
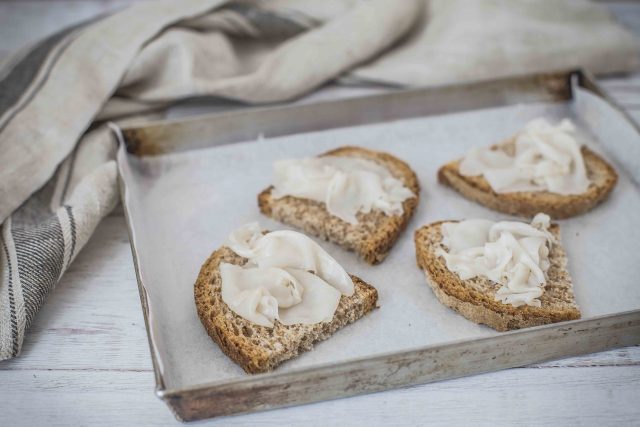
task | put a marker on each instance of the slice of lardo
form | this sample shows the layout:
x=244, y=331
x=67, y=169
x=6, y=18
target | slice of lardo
x=259, y=348
x=547, y=154
x=476, y=298
x=375, y=232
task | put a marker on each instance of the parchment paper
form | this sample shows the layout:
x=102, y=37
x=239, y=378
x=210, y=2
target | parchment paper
x=183, y=206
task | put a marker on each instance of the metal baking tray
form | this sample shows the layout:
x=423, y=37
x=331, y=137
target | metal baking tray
x=479, y=351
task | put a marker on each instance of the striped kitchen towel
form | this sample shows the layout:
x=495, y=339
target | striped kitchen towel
x=58, y=174
x=57, y=168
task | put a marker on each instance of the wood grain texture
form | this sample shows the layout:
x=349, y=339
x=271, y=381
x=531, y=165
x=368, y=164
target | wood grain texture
x=86, y=361
x=589, y=396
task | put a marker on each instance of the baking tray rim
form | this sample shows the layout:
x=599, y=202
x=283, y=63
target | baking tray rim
x=585, y=79
x=560, y=326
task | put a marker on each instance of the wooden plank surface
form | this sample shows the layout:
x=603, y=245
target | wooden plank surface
x=86, y=362
x=585, y=396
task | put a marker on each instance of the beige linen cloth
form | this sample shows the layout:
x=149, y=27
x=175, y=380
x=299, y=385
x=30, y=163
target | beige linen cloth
x=57, y=168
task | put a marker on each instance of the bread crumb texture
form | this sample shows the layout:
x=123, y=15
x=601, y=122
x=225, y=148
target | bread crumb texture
x=475, y=298
x=257, y=348
x=375, y=233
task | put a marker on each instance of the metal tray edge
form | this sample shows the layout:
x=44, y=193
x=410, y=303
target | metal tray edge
x=144, y=301
x=154, y=138
x=186, y=403
x=401, y=369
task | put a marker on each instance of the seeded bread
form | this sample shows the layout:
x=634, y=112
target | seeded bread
x=257, y=348
x=528, y=203
x=374, y=235
x=475, y=298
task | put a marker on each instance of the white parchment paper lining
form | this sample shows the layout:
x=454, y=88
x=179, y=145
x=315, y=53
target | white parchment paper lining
x=183, y=206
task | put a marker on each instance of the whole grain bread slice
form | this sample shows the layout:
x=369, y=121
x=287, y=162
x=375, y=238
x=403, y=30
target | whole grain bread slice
x=528, y=203
x=475, y=298
x=375, y=233
x=257, y=348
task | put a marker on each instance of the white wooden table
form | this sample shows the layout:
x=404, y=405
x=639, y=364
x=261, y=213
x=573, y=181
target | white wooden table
x=85, y=361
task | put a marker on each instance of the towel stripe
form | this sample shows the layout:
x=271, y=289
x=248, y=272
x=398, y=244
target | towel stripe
x=72, y=223
x=39, y=251
x=12, y=303
x=42, y=234
x=29, y=74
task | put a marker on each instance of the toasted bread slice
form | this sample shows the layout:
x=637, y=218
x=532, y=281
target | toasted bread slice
x=475, y=298
x=528, y=203
x=257, y=348
x=375, y=233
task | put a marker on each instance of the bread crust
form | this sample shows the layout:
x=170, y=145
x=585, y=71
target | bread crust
x=475, y=298
x=528, y=203
x=374, y=235
x=257, y=348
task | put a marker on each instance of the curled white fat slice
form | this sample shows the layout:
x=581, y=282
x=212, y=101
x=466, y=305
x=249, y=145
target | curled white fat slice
x=262, y=295
x=514, y=255
x=243, y=240
x=347, y=185
x=546, y=158
x=319, y=303
x=256, y=293
x=466, y=234
x=289, y=249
